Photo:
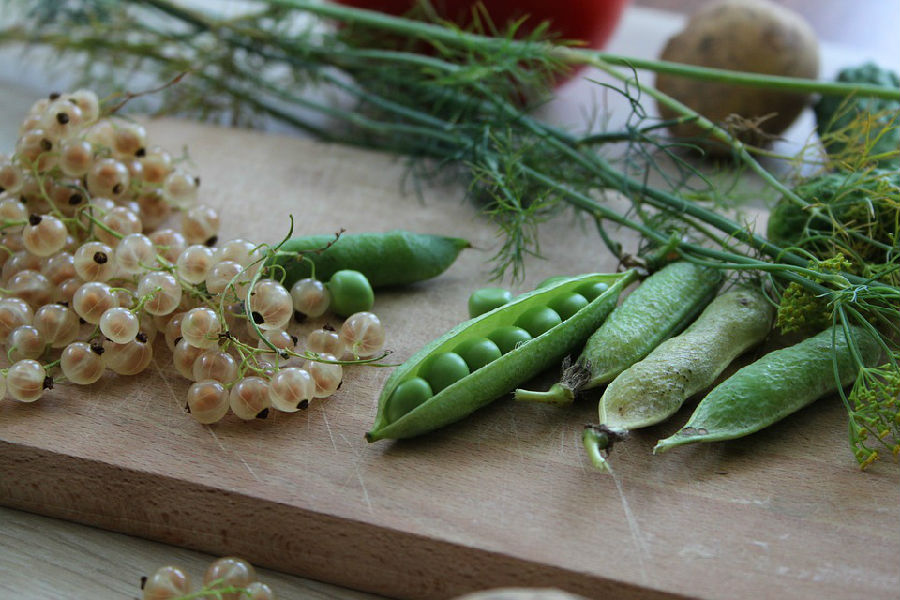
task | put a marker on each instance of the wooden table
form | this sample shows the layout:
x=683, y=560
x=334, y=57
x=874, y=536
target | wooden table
x=49, y=558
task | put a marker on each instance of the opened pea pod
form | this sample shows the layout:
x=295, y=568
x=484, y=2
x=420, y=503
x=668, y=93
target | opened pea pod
x=484, y=358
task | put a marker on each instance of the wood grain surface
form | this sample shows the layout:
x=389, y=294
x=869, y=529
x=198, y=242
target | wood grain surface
x=505, y=498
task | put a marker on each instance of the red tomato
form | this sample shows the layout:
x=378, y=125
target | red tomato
x=591, y=21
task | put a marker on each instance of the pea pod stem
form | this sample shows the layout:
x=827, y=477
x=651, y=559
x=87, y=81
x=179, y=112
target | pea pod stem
x=595, y=442
x=558, y=395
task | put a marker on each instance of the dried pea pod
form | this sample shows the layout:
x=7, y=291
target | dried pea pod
x=425, y=409
x=653, y=389
x=778, y=384
x=386, y=259
x=661, y=306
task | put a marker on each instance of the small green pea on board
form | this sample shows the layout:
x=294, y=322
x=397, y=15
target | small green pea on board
x=486, y=357
x=386, y=259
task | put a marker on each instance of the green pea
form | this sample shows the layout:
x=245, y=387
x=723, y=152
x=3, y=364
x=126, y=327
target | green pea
x=568, y=305
x=444, y=370
x=486, y=299
x=508, y=337
x=592, y=290
x=538, y=320
x=406, y=397
x=350, y=293
x=550, y=281
x=478, y=352
x=386, y=259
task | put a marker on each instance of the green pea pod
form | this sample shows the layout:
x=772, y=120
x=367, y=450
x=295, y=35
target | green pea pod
x=500, y=376
x=661, y=306
x=778, y=384
x=386, y=259
x=654, y=388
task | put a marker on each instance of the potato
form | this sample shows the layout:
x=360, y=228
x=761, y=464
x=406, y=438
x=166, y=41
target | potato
x=756, y=36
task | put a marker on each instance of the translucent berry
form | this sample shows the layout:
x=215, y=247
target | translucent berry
x=116, y=223
x=325, y=341
x=31, y=286
x=57, y=324
x=26, y=380
x=184, y=356
x=25, y=341
x=135, y=254
x=207, y=401
x=310, y=297
x=362, y=334
x=291, y=389
x=81, y=363
x=93, y=261
x=200, y=225
x=215, y=365
x=129, y=139
x=119, y=325
x=271, y=307
x=14, y=312
x=44, y=235
x=249, y=398
x=194, y=264
x=326, y=376
x=162, y=292
x=169, y=243
x=127, y=359
x=93, y=299
x=201, y=327
x=167, y=583
x=180, y=188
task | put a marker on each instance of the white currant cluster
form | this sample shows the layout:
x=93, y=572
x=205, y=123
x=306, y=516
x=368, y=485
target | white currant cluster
x=228, y=578
x=91, y=273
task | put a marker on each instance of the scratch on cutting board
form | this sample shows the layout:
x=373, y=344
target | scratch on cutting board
x=328, y=428
x=633, y=528
x=237, y=454
x=362, y=483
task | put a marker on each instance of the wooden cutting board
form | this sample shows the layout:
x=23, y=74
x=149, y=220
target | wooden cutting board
x=504, y=498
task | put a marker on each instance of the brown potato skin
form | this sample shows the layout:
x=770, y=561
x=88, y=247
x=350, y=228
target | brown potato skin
x=756, y=36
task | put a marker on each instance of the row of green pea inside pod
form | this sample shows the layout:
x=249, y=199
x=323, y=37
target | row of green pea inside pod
x=506, y=339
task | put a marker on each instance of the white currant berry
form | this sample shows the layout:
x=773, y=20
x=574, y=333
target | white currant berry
x=57, y=324
x=129, y=358
x=11, y=176
x=100, y=135
x=14, y=312
x=65, y=290
x=271, y=306
x=31, y=286
x=35, y=148
x=200, y=225
x=184, y=356
x=169, y=243
x=20, y=260
x=239, y=250
x=291, y=389
x=59, y=267
x=109, y=178
x=362, y=334
x=157, y=164
x=207, y=401
x=89, y=104
x=25, y=341
x=153, y=208
x=161, y=291
x=26, y=380
x=116, y=224
x=180, y=188
x=201, y=327
x=81, y=363
x=12, y=209
x=310, y=297
x=215, y=365
x=325, y=341
x=44, y=235
x=119, y=325
x=93, y=299
x=76, y=157
x=249, y=398
x=129, y=139
x=93, y=261
x=134, y=254
x=229, y=571
x=194, y=264
x=227, y=273
x=279, y=338
x=62, y=118
x=326, y=376
x=166, y=583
